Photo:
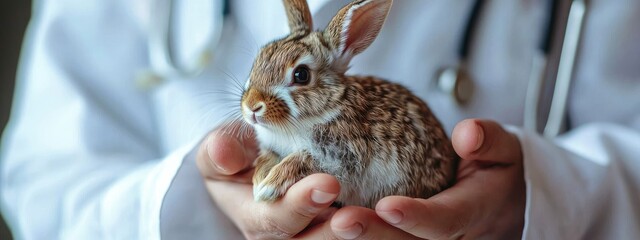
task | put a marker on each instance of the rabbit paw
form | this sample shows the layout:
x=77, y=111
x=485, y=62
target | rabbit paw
x=272, y=187
x=281, y=177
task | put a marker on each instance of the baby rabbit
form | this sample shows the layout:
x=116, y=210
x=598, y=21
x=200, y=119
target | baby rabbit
x=375, y=137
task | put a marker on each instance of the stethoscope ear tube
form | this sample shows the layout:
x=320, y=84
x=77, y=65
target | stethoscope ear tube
x=539, y=67
x=162, y=57
x=568, y=57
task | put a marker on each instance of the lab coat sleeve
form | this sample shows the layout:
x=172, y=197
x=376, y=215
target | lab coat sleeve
x=81, y=157
x=583, y=185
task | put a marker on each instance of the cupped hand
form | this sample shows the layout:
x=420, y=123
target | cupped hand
x=226, y=162
x=487, y=200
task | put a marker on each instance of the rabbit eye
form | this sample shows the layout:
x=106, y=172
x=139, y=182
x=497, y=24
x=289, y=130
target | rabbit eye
x=301, y=75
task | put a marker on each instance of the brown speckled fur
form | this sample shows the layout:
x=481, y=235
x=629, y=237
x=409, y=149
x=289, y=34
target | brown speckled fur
x=379, y=139
x=389, y=116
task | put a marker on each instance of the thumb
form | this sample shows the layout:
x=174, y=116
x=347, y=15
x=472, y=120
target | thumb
x=485, y=140
x=224, y=155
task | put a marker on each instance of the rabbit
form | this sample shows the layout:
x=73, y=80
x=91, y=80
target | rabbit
x=374, y=136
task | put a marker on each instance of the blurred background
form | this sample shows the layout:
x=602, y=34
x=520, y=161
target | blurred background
x=14, y=16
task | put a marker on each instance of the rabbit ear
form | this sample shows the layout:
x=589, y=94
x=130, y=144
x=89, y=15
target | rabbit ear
x=355, y=27
x=299, y=16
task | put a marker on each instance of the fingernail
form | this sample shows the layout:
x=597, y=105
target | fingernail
x=212, y=161
x=321, y=197
x=393, y=217
x=479, y=137
x=220, y=169
x=351, y=232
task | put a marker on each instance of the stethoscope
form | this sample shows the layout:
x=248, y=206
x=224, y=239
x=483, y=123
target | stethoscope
x=452, y=80
x=456, y=82
x=162, y=49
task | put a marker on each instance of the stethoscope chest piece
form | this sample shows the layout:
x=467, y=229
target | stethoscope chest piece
x=455, y=82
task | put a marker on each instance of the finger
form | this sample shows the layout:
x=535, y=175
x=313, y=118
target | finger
x=284, y=218
x=364, y=223
x=475, y=139
x=221, y=154
x=355, y=223
x=426, y=219
x=303, y=202
x=323, y=217
x=450, y=213
x=233, y=199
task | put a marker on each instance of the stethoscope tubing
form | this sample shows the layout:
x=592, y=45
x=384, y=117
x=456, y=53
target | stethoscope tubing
x=573, y=32
x=450, y=77
x=538, y=67
x=454, y=80
x=162, y=51
x=164, y=62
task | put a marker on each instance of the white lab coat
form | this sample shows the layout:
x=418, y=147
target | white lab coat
x=88, y=155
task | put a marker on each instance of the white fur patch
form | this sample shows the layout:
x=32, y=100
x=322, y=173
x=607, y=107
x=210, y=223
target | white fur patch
x=382, y=173
x=263, y=193
x=285, y=94
x=345, y=29
x=280, y=141
x=308, y=123
x=293, y=138
x=246, y=112
x=247, y=84
x=308, y=60
x=266, y=192
x=379, y=174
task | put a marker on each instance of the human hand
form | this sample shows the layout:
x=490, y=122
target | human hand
x=226, y=162
x=487, y=200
